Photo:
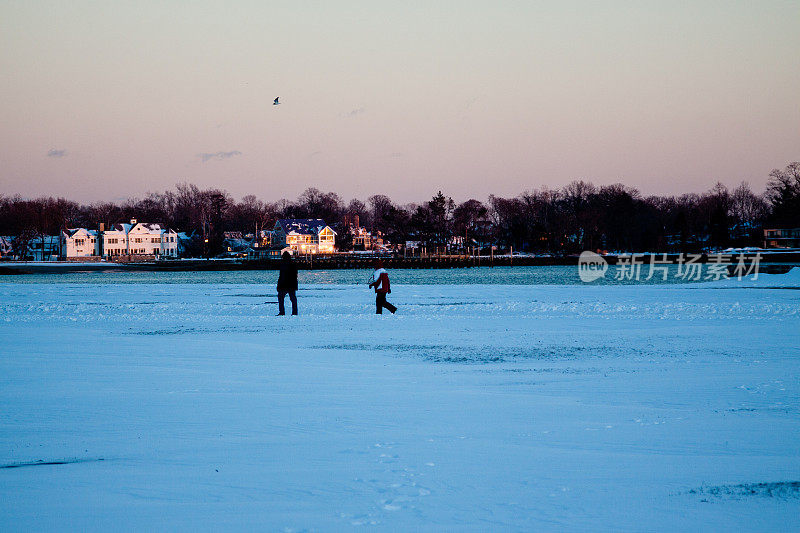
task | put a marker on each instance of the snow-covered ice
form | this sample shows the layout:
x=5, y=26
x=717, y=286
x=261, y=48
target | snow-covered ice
x=476, y=407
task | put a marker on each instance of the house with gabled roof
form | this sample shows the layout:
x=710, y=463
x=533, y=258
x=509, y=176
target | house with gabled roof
x=43, y=248
x=115, y=240
x=152, y=239
x=80, y=243
x=305, y=235
x=139, y=239
x=362, y=238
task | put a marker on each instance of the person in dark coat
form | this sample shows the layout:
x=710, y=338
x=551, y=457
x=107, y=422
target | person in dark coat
x=380, y=280
x=287, y=283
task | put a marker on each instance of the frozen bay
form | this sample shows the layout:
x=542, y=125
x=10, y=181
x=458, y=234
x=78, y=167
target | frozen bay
x=480, y=407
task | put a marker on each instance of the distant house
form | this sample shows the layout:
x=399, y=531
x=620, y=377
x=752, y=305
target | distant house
x=742, y=231
x=184, y=243
x=265, y=238
x=268, y=252
x=264, y=246
x=152, y=239
x=305, y=235
x=139, y=239
x=115, y=240
x=363, y=239
x=6, y=247
x=44, y=248
x=782, y=238
x=80, y=243
x=234, y=242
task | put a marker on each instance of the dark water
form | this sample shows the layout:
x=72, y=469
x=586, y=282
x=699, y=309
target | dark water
x=528, y=275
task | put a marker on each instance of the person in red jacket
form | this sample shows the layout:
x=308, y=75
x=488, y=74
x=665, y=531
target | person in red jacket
x=380, y=280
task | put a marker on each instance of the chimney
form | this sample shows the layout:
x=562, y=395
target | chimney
x=101, y=227
x=133, y=222
x=356, y=221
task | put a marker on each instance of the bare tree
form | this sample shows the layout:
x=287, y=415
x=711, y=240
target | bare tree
x=783, y=191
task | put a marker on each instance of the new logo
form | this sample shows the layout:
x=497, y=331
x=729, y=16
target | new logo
x=591, y=266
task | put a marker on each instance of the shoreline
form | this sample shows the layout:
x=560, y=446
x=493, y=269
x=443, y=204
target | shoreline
x=776, y=261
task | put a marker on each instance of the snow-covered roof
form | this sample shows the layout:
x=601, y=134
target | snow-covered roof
x=140, y=227
x=144, y=227
x=119, y=228
x=237, y=244
x=49, y=240
x=303, y=226
x=70, y=232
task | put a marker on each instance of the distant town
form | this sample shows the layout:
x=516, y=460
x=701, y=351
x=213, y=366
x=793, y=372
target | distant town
x=193, y=223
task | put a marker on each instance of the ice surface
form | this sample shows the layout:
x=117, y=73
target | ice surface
x=476, y=407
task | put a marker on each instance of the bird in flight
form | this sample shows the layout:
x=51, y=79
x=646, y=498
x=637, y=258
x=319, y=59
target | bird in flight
x=276, y=102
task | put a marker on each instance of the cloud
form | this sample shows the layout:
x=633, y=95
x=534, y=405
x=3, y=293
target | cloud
x=56, y=153
x=219, y=155
x=356, y=112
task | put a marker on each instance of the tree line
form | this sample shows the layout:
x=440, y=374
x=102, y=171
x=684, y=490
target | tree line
x=579, y=216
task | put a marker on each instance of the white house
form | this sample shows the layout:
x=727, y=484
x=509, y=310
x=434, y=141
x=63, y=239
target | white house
x=115, y=240
x=305, y=235
x=152, y=239
x=80, y=242
x=139, y=238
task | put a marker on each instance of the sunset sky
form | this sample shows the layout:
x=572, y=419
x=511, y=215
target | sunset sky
x=109, y=100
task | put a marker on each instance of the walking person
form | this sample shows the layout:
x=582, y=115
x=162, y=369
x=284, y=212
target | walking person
x=380, y=280
x=287, y=283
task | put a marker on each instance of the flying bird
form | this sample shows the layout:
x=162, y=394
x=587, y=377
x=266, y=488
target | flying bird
x=276, y=102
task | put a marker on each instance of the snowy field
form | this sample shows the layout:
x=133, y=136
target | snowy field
x=476, y=407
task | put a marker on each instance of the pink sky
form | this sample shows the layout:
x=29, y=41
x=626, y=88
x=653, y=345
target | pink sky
x=109, y=101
